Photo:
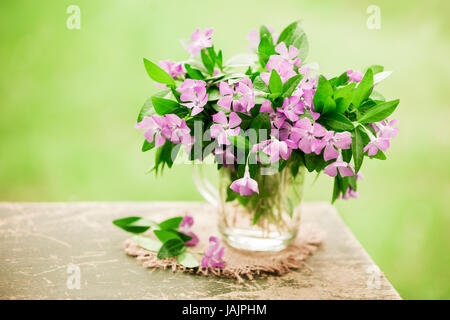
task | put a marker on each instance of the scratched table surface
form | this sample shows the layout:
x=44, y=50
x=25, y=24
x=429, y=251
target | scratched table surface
x=73, y=251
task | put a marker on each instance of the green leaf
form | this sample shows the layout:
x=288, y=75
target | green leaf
x=379, y=112
x=208, y=61
x=165, y=235
x=147, y=110
x=172, y=223
x=193, y=73
x=329, y=106
x=246, y=120
x=212, y=53
x=312, y=161
x=324, y=90
x=253, y=167
x=240, y=142
x=261, y=121
x=135, y=224
x=336, y=189
x=265, y=50
x=344, y=184
x=343, y=97
x=259, y=84
x=352, y=182
x=379, y=155
x=231, y=195
x=294, y=35
x=147, y=145
x=357, y=147
x=147, y=243
x=339, y=81
x=219, y=60
x=188, y=260
x=214, y=94
x=164, y=106
x=163, y=155
x=376, y=69
x=264, y=32
x=346, y=155
x=366, y=106
x=256, y=215
x=377, y=96
x=171, y=248
x=275, y=83
x=364, y=89
x=182, y=235
x=336, y=121
x=290, y=85
x=157, y=74
x=297, y=161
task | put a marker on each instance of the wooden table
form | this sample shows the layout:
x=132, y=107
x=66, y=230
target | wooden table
x=44, y=247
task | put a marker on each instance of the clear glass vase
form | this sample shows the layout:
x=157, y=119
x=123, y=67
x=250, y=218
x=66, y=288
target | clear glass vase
x=267, y=221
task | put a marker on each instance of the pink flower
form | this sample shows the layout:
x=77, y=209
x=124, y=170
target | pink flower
x=282, y=66
x=284, y=134
x=188, y=86
x=331, y=141
x=244, y=88
x=274, y=149
x=213, y=256
x=188, y=141
x=376, y=144
x=355, y=76
x=386, y=130
x=243, y=92
x=224, y=128
x=227, y=93
x=291, y=108
x=282, y=63
x=350, y=194
x=276, y=118
x=290, y=56
x=185, y=227
x=153, y=126
x=175, y=128
x=343, y=167
x=193, y=91
x=306, y=90
x=245, y=186
x=306, y=134
x=266, y=106
x=200, y=40
x=172, y=68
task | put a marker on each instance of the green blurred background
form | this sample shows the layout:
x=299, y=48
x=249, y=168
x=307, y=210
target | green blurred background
x=69, y=100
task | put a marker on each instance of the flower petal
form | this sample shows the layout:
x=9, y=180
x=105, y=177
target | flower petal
x=234, y=120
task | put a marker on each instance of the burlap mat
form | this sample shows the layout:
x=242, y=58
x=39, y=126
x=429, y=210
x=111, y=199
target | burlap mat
x=240, y=264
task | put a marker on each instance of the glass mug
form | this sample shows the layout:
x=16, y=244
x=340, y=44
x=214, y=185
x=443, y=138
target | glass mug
x=267, y=221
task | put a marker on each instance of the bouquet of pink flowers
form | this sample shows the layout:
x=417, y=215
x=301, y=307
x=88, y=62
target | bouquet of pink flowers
x=266, y=109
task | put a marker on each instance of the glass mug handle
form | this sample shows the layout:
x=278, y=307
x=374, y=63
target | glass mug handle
x=206, y=189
